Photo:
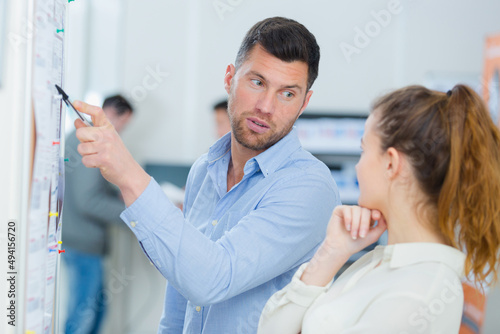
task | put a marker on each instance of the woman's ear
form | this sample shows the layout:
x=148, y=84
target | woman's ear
x=393, y=162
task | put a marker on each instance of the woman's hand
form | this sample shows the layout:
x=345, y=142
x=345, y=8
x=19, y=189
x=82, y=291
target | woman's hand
x=350, y=230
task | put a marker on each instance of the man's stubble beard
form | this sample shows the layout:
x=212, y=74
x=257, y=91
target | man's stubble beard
x=243, y=135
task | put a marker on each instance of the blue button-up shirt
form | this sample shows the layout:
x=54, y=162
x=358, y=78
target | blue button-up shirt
x=229, y=251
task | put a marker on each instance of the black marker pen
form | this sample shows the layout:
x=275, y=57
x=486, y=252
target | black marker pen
x=68, y=103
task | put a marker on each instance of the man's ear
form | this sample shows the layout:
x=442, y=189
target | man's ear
x=394, y=162
x=230, y=72
x=306, y=101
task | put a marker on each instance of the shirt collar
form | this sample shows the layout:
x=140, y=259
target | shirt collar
x=219, y=148
x=271, y=159
x=406, y=254
x=268, y=161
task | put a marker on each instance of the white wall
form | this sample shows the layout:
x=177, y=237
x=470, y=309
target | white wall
x=121, y=42
x=117, y=44
x=191, y=42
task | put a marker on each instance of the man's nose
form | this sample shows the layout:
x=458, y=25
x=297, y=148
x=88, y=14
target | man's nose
x=266, y=102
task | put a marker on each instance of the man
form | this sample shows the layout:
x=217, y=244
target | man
x=222, y=122
x=91, y=204
x=257, y=205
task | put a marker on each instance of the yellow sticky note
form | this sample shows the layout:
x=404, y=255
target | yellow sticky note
x=59, y=242
x=52, y=214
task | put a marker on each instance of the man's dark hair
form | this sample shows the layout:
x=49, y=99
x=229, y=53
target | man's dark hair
x=285, y=39
x=220, y=105
x=118, y=102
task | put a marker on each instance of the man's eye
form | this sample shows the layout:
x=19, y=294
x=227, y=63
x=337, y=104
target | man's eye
x=288, y=94
x=257, y=82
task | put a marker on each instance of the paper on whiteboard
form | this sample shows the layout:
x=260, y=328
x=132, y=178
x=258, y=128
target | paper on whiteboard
x=46, y=184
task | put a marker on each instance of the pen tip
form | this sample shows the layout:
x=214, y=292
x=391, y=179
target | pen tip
x=61, y=92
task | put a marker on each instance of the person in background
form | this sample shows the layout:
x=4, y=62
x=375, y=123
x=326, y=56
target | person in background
x=222, y=122
x=430, y=173
x=257, y=204
x=91, y=205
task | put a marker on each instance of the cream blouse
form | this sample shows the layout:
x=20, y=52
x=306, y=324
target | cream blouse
x=415, y=288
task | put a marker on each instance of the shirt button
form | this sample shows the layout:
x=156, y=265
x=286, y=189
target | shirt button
x=214, y=222
x=198, y=309
x=133, y=223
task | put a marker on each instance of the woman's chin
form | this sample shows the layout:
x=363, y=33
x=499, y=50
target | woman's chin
x=362, y=201
x=367, y=204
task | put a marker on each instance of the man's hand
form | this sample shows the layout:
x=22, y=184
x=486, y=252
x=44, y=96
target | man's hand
x=101, y=147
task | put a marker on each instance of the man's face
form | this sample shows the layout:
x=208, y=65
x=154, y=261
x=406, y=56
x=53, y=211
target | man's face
x=266, y=96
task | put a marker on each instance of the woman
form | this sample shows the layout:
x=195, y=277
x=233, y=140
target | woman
x=430, y=174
